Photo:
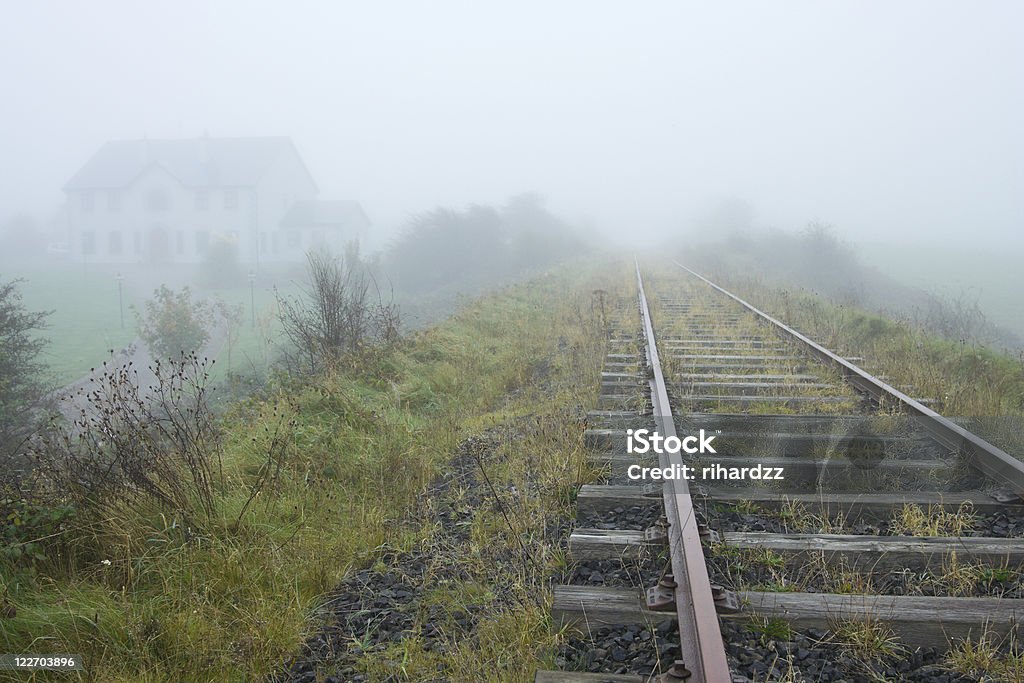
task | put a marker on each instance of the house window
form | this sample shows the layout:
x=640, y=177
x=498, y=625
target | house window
x=88, y=243
x=202, y=200
x=157, y=200
x=113, y=200
x=202, y=241
x=230, y=199
x=294, y=239
x=87, y=200
x=179, y=242
x=114, y=242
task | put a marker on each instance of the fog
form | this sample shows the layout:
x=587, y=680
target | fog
x=297, y=298
x=890, y=120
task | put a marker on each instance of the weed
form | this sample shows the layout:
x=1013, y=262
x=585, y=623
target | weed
x=870, y=639
x=989, y=656
x=769, y=629
x=913, y=520
x=746, y=507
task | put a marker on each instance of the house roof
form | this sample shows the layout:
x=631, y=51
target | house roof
x=195, y=162
x=324, y=213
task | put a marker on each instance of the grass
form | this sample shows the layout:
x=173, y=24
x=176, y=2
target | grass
x=869, y=639
x=667, y=282
x=966, y=379
x=913, y=520
x=770, y=629
x=145, y=600
x=997, y=659
x=86, y=321
x=992, y=278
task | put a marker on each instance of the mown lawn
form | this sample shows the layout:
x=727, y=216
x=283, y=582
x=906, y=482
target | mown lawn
x=86, y=322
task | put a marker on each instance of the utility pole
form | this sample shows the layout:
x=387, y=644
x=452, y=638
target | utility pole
x=252, y=297
x=120, y=296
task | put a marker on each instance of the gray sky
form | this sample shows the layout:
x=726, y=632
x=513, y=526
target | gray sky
x=891, y=120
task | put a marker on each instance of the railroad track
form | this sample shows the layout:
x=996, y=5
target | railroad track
x=860, y=457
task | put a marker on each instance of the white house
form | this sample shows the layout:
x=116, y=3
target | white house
x=167, y=201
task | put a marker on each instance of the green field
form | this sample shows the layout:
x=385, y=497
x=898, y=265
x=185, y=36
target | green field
x=992, y=278
x=86, y=322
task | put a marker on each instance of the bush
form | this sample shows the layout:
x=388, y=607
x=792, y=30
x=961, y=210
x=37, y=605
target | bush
x=173, y=325
x=335, y=322
x=479, y=246
x=219, y=267
x=158, y=443
x=26, y=526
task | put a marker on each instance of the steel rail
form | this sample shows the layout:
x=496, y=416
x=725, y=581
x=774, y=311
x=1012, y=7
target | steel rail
x=991, y=460
x=703, y=651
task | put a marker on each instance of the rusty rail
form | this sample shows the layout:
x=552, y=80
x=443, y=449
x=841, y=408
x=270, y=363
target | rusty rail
x=991, y=460
x=703, y=651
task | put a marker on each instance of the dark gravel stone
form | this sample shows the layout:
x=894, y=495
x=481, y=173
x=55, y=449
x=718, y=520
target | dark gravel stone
x=814, y=656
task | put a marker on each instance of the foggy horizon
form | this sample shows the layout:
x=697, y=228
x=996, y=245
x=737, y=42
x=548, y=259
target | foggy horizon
x=891, y=122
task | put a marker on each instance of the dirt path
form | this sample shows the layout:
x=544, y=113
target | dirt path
x=72, y=399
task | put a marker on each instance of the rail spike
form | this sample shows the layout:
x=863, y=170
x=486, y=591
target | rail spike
x=675, y=673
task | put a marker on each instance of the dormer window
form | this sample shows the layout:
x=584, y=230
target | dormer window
x=230, y=199
x=157, y=200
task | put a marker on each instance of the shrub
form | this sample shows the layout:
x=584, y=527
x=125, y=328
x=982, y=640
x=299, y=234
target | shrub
x=26, y=525
x=173, y=325
x=335, y=321
x=219, y=267
x=158, y=443
x=478, y=246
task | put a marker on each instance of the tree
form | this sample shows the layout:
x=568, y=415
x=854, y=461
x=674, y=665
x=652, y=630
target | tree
x=445, y=245
x=173, y=324
x=478, y=246
x=536, y=237
x=22, y=384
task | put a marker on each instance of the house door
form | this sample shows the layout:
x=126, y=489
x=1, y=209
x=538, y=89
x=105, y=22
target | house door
x=159, y=245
